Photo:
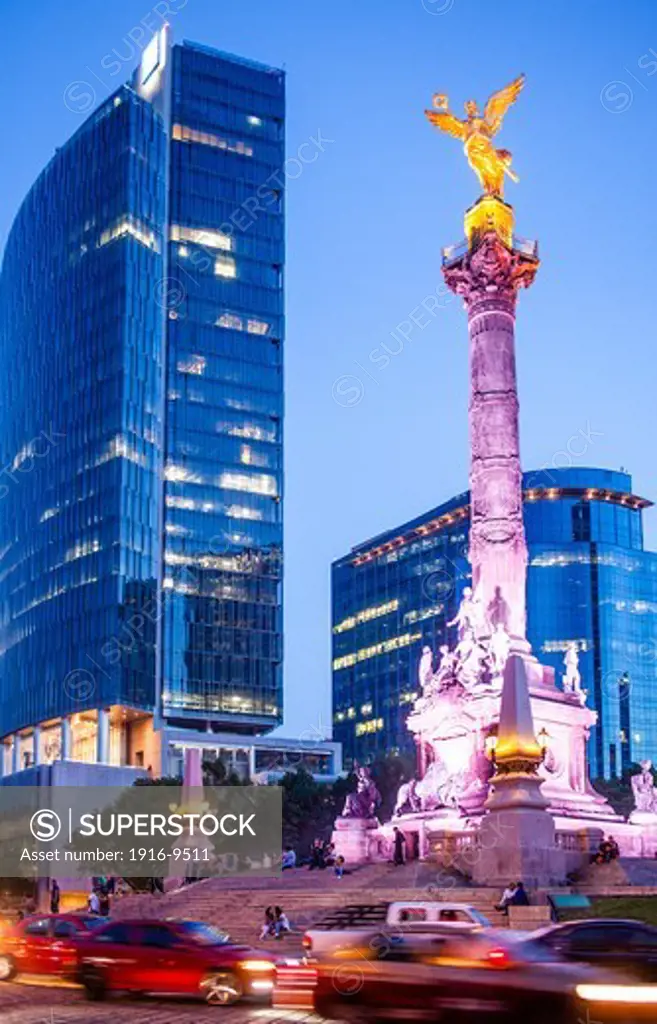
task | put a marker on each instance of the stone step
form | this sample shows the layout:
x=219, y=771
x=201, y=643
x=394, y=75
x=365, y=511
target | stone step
x=305, y=896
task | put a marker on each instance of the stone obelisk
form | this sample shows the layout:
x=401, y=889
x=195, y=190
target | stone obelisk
x=488, y=275
x=517, y=835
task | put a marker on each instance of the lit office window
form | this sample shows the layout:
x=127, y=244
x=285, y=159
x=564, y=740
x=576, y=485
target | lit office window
x=243, y=512
x=129, y=226
x=180, y=474
x=224, y=267
x=192, y=364
x=252, y=431
x=183, y=134
x=258, y=483
x=207, y=238
x=230, y=321
x=257, y=327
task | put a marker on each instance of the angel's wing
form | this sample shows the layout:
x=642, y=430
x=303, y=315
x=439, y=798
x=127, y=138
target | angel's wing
x=447, y=122
x=500, y=102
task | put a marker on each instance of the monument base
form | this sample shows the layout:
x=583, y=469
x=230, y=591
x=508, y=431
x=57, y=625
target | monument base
x=518, y=844
x=645, y=823
x=359, y=840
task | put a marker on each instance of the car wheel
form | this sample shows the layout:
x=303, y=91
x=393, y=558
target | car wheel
x=7, y=968
x=222, y=988
x=94, y=985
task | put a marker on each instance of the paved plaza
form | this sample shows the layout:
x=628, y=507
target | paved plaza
x=42, y=1004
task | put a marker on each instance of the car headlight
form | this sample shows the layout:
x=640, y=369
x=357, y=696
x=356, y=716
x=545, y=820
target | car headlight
x=256, y=966
x=644, y=994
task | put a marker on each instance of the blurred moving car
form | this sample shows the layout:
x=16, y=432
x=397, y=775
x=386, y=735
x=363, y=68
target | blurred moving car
x=45, y=944
x=350, y=925
x=480, y=976
x=629, y=945
x=173, y=958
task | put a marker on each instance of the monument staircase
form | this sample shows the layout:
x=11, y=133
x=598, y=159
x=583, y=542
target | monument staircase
x=237, y=905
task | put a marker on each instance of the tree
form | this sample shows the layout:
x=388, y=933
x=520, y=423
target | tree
x=618, y=791
x=389, y=772
x=309, y=808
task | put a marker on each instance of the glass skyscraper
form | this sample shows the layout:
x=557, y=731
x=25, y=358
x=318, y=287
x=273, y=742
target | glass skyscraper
x=589, y=581
x=141, y=335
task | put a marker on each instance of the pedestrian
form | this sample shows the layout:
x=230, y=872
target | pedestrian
x=520, y=897
x=610, y=850
x=104, y=902
x=281, y=922
x=54, y=897
x=317, y=855
x=289, y=859
x=94, y=903
x=339, y=866
x=400, y=842
x=507, y=897
x=268, y=927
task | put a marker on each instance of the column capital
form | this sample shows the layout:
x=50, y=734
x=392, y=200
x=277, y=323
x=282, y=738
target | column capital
x=489, y=276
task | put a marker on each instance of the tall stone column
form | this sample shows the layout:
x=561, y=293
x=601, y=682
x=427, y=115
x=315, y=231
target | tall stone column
x=488, y=277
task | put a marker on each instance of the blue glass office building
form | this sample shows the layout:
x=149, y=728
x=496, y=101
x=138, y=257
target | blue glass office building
x=141, y=331
x=589, y=580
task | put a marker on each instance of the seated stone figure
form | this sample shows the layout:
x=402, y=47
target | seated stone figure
x=644, y=789
x=362, y=803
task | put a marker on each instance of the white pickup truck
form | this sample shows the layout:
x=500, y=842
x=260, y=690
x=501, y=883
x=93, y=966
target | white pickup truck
x=361, y=924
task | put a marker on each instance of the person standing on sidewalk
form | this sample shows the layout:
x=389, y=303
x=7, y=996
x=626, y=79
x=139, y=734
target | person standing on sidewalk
x=400, y=843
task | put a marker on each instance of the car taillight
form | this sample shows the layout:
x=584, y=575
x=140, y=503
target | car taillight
x=499, y=958
x=307, y=943
x=255, y=966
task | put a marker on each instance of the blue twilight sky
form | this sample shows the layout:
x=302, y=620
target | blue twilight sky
x=373, y=440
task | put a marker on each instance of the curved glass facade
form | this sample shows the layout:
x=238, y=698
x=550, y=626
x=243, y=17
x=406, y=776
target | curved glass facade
x=589, y=580
x=81, y=345
x=141, y=332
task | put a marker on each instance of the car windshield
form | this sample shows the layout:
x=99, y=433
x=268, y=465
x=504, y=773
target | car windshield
x=93, y=922
x=203, y=934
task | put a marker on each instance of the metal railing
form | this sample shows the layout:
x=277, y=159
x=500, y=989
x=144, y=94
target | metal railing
x=453, y=253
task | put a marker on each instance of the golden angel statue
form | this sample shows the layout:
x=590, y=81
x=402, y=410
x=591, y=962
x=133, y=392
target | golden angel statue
x=489, y=164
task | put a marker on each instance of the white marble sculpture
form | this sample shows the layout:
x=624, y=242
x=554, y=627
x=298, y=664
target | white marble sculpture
x=408, y=799
x=425, y=670
x=500, y=645
x=447, y=667
x=469, y=656
x=437, y=788
x=572, y=677
x=470, y=615
x=644, y=789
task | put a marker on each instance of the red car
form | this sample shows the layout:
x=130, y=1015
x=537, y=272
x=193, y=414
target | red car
x=45, y=944
x=173, y=958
